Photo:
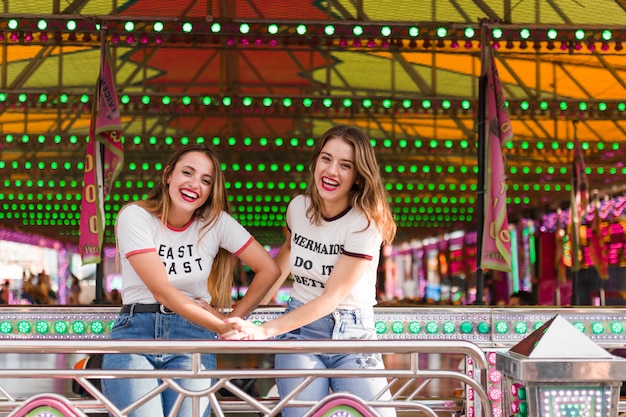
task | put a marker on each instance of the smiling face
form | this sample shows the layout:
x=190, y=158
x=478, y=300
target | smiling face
x=334, y=175
x=190, y=183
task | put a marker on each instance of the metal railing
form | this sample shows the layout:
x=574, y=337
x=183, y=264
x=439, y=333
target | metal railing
x=408, y=386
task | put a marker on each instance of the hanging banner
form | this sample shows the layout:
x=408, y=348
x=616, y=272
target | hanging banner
x=496, y=240
x=103, y=162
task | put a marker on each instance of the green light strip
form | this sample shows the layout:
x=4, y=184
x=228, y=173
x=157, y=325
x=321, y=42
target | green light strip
x=200, y=104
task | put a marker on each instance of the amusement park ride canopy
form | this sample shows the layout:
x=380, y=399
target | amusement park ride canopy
x=261, y=79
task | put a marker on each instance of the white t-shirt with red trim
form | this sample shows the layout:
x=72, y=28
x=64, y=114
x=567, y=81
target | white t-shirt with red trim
x=186, y=253
x=316, y=248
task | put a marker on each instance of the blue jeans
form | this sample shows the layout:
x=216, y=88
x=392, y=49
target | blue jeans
x=155, y=327
x=339, y=325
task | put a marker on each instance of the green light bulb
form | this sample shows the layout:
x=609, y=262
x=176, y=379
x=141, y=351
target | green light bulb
x=397, y=327
x=552, y=34
x=524, y=33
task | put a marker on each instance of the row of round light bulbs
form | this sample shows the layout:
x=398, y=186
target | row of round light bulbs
x=271, y=186
x=302, y=29
x=427, y=205
x=402, y=143
x=288, y=168
x=325, y=102
x=276, y=213
x=277, y=199
x=268, y=206
x=406, y=221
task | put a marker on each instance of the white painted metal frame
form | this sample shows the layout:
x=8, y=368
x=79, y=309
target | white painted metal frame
x=408, y=397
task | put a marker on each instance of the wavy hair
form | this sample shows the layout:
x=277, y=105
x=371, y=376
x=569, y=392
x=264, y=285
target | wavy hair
x=368, y=193
x=220, y=279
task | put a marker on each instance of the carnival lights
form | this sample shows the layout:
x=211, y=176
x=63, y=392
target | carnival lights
x=204, y=104
x=255, y=33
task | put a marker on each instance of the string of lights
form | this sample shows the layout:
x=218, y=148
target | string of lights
x=156, y=103
x=341, y=34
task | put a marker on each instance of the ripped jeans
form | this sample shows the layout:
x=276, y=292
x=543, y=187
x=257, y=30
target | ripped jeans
x=339, y=325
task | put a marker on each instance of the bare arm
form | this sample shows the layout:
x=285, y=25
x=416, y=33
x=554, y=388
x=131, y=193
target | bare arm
x=282, y=260
x=150, y=269
x=265, y=274
x=346, y=273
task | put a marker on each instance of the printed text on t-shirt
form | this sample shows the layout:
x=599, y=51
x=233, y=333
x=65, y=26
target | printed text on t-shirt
x=323, y=248
x=179, y=260
x=308, y=281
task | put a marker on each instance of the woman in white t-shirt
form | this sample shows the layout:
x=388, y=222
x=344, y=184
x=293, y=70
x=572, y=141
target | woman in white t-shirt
x=176, y=251
x=335, y=232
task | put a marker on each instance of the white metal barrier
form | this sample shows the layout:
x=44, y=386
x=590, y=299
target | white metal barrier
x=407, y=385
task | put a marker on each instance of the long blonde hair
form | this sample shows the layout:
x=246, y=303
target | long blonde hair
x=368, y=193
x=220, y=279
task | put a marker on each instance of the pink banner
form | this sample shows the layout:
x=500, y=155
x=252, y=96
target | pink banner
x=496, y=242
x=103, y=162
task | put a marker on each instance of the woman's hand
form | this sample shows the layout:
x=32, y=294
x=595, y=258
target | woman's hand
x=243, y=330
x=208, y=307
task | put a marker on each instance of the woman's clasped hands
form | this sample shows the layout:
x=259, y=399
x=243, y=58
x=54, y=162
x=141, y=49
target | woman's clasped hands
x=243, y=330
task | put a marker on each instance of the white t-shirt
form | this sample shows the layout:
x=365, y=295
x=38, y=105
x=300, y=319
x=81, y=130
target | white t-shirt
x=186, y=257
x=316, y=248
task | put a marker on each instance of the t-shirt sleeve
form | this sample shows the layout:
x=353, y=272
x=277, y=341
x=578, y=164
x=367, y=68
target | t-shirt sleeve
x=233, y=236
x=135, y=231
x=363, y=243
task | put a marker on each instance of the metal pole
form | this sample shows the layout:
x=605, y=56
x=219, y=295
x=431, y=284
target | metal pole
x=480, y=216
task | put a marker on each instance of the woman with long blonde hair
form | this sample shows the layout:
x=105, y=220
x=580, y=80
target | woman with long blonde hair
x=176, y=250
x=335, y=232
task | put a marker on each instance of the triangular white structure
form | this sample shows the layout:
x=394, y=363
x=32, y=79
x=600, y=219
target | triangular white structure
x=558, y=338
